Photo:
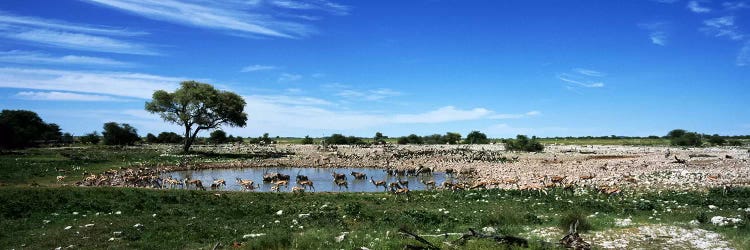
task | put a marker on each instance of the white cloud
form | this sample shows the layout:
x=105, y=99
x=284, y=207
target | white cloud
x=30, y=57
x=722, y=27
x=367, y=95
x=735, y=5
x=444, y=114
x=63, y=96
x=290, y=100
x=515, y=116
x=743, y=58
x=589, y=72
x=9, y=19
x=126, y=84
x=71, y=36
x=243, y=18
x=579, y=80
x=657, y=32
x=258, y=67
x=331, y=7
x=695, y=6
x=286, y=77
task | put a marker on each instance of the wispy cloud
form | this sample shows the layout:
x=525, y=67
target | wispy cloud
x=286, y=77
x=64, y=96
x=743, y=58
x=444, y=114
x=331, y=7
x=244, y=18
x=582, y=78
x=30, y=57
x=67, y=35
x=735, y=5
x=127, y=84
x=258, y=67
x=516, y=116
x=722, y=27
x=657, y=32
x=696, y=7
x=26, y=21
x=589, y=72
x=366, y=95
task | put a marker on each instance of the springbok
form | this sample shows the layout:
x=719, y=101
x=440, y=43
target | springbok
x=429, y=184
x=379, y=183
x=394, y=186
x=244, y=182
x=359, y=176
x=197, y=183
x=338, y=177
x=340, y=183
x=306, y=184
x=404, y=183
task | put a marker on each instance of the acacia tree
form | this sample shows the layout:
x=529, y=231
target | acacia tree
x=198, y=106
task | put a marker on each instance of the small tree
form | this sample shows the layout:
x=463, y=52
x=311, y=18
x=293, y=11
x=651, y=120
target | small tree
x=717, y=140
x=218, y=137
x=169, y=137
x=67, y=138
x=676, y=133
x=307, y=140
x=239, y=139
x=688, y=139
x=522, y=143
x=198, y=106
x=90, y=138
x=151, y=138
x=379, y=138
x=115, y=134
x=453, y=138
x=476, y=137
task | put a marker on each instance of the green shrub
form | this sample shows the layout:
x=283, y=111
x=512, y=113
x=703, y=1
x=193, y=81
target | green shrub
x=571, y=218
x=522, y=143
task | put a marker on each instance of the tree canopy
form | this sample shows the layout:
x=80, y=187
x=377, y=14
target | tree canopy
x=116, y=134
x=476, y=137
x=23, y=128
x=522, y=143
x=198, y=106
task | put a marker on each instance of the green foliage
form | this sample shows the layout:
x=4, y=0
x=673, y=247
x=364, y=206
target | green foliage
x=717, y=140
x=200, y=105
x=379, y=138
x=116, y=134
x=570, y=218
x=169, y=137
x=23, y=128
x=452, y=138
x=476, y=137
x=686, y=139
x=265, y=139
x=90, y=138
x=734, y=142
x=218, y=137
x=151, y=138
x=339, y=139
x=67, y=138
x=307, y=140
x=522, y=143
x=676, y=133
x=702, y=217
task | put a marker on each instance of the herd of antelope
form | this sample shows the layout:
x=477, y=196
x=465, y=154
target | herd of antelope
x=606, y=169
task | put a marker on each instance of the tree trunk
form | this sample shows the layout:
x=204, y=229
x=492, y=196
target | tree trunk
x=188, y=140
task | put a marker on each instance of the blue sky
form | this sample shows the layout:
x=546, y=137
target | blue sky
x=316, y=67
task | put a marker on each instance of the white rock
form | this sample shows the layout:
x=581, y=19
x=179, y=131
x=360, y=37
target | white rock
x=623, y=222
x=280, y=212
x=138, y=225
x=712, y=207
x=252, y=235
x=694, y=222
x=489, y=230
x=303, y=215
x=112, y=239
x=118, y=212
x=89, y=225
x=117, y=233
x=46, y=221
x=276, y=221
x=341, y=237
x=68, y=227
x=75, y=213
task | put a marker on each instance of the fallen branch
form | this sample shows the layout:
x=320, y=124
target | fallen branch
x=418, y=238
x=504, y=239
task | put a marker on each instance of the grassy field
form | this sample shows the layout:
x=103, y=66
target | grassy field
x=52, y=216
